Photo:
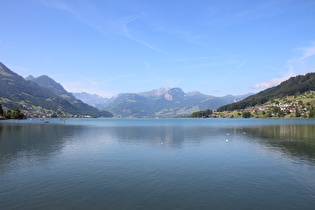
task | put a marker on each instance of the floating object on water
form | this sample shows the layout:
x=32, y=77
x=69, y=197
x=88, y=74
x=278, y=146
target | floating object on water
x=46, y=121
x=227, y=140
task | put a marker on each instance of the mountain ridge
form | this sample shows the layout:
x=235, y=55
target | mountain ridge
x=30, y=97
x=294, y=85
x=163, y=102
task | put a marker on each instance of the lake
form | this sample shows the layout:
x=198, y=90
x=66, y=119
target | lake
x=157, y=164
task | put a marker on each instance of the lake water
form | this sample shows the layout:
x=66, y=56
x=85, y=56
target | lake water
x=157, y=164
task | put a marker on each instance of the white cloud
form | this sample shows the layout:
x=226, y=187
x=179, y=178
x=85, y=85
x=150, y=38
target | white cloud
x=308, y=51
x=270, y=83
x=301, y=64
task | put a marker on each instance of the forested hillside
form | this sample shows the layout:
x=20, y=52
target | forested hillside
x=38, y=101
x=290, y=87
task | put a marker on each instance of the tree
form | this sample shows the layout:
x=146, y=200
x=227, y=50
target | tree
x=1, y=110
x=15, y=114
x=204, y=113
x=281, y=113
x=312, y=112
x=246, y=115
x=297, y=112
x=276, y=110
x=8, y=114
x=54, y=115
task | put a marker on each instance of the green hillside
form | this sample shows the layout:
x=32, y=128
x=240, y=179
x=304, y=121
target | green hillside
x=290, y=87
x=37, y=101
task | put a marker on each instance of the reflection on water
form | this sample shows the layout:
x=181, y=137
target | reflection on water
x=157, y=164
x=165, y=136
x=286, y=132
x=293, y=140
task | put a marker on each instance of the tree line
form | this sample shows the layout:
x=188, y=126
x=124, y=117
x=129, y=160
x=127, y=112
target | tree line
x=11, y=114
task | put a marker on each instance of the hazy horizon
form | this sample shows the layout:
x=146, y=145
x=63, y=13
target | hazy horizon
x=161, y=88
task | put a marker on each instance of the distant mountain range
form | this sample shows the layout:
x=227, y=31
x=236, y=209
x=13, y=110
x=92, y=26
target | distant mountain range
x=41, y=95
x=91, y=99
x=163, y=102
x=44, y=95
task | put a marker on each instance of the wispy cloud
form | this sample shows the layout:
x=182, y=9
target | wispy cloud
x=301, y=64
x=105, y=23
x=83, y=12
x=228, y=75
x=270, y=83
x=225, y=15
x=307, y=51
x=115, y=78
x=124, y=27
x=191, y=59
x=147, y=65
x=181, y=33
x=61, y=5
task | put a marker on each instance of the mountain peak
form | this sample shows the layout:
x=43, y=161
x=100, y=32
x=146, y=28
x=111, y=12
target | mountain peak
x=197, y=94
x=161, y=91
x=47, y=82
x=167, y=93
x=90, y=98
x=174, y=93
x=30, y=77
x=6, y=72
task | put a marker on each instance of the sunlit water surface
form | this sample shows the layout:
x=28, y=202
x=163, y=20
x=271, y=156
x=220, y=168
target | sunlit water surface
x=157, y=164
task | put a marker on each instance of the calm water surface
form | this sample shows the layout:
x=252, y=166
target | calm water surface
x=157, y=164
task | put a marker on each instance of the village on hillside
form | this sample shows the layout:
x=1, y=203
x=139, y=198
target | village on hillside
x=297, y=106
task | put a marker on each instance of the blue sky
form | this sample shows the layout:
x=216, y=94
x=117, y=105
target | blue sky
x=114, y=46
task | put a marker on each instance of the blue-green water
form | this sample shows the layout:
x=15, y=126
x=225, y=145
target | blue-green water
x=157, y=164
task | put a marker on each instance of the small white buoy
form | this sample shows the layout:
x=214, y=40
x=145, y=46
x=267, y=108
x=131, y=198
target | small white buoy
x=227, y=140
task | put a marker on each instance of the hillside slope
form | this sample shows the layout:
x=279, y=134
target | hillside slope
x=31, y=97
x=290, y=87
